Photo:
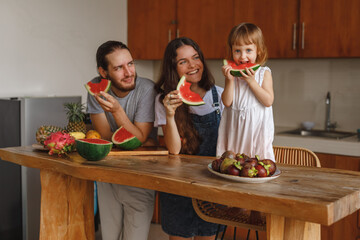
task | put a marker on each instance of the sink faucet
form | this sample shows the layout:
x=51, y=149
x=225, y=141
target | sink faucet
x=329, y=126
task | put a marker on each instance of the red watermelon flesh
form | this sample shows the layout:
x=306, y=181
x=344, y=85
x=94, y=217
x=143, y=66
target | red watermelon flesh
x=95, y=140
x=122, y=138
x=235, y=71
x=189, y=97
x=96, y=88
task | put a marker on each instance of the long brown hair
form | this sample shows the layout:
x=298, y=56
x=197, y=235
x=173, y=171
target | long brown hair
x=168, y=81
x=248, y=33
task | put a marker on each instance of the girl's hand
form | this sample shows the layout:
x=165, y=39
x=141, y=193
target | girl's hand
x=171, y=102
x=226, y=71
x=108, y=102
x=249, y=76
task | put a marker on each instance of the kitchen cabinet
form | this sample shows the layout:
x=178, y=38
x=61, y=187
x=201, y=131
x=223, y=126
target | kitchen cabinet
x=277, y=20
x=152, y=24
x=349, y=227
x=304, y=28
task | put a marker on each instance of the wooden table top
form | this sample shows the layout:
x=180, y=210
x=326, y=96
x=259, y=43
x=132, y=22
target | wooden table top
x=318, y=195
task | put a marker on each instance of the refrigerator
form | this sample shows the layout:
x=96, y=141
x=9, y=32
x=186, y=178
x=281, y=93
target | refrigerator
x=20, y=189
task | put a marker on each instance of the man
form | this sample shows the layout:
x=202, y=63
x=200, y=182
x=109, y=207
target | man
x=125, y=212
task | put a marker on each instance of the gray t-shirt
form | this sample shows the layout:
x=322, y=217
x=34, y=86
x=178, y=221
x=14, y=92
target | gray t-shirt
x=138, y=104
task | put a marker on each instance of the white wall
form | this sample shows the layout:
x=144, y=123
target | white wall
x=48, y=47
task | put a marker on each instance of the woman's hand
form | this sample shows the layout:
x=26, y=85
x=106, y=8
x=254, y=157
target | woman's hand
x=171, y=102
x=108, y=102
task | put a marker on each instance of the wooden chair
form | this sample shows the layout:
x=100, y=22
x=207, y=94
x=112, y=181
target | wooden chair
x=252, y=220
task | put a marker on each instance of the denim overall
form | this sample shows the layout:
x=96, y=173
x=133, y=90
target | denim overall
x=178, y=217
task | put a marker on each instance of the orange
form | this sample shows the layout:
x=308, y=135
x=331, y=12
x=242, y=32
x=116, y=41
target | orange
x=92, y=134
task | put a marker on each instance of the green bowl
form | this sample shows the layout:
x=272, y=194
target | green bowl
x=93, y=149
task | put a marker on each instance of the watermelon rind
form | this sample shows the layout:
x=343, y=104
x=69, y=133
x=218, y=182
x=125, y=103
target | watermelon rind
x=91, y=150
x=236, y=73
x=105, y=89
x=129, y=143
x=181, y=83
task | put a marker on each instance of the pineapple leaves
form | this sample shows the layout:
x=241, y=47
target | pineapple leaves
x=75, y=112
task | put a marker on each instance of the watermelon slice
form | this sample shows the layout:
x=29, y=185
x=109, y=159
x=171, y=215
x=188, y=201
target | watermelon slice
x=96, y=88
x=122, y=138
x=237, y=68
x=188, y=96
x=93, y=149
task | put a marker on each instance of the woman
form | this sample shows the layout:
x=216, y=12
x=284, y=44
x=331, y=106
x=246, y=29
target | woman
x=187, y=130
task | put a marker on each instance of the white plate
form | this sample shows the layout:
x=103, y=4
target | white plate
x=246, y=179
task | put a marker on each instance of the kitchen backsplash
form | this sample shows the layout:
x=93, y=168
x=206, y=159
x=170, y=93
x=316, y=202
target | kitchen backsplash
x=300, y=87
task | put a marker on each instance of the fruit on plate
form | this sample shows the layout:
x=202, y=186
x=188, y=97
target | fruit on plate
x=248, y=171
x=241, y=158
x=261, y=171
x=234, y=169
x=228, y=154
x=93, y=149
x=236, y=69
x=77, y=135
x=93, y=134
x=95, y=88
x=122, y=138
x=268, y=165
x=215, y=165
x=225, y=164
x=243, y=166
x=189, y=97
x=76, y=116
x=60, y=143
x=44, y=131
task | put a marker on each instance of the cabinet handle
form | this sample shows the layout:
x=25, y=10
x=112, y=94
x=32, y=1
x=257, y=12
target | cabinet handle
x=177, y=33
x=169, y=35
x=294, y=36
x=303, y=36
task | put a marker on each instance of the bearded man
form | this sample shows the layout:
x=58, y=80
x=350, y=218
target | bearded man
x=125, y=212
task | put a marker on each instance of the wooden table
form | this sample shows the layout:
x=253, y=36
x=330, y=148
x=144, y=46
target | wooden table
x=296, y=203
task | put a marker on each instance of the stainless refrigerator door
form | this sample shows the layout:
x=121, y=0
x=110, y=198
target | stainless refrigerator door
x=34, y=113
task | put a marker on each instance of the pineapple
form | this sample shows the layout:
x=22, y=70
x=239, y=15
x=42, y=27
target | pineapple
x=76, y=116
x=44, y=131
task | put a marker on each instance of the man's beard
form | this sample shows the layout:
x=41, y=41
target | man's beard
x=121, y=88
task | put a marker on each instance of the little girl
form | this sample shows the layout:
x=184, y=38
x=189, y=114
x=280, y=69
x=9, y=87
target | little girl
x=247, y=124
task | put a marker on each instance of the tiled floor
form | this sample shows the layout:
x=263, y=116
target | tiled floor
x=156, y=233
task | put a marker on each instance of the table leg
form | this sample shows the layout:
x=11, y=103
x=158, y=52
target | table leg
x=67, y=207
x=281, y=228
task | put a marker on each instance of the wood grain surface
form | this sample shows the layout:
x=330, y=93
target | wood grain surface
x=318, y=195
x=146, y=151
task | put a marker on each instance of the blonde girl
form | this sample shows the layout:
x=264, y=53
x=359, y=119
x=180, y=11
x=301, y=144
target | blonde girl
x=247, y=124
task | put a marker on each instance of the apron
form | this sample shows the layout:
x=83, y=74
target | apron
x=178, y=217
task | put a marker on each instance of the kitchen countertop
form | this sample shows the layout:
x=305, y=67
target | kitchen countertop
x=349, y=146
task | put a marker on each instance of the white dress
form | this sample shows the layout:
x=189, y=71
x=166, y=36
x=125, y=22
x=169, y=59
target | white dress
x=247, y=126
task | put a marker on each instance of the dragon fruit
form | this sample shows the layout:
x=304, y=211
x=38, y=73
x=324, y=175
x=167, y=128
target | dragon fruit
x=60, y=143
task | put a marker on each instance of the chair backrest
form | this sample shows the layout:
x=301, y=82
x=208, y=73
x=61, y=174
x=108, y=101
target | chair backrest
x=296, y=156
